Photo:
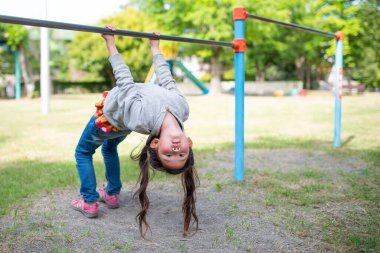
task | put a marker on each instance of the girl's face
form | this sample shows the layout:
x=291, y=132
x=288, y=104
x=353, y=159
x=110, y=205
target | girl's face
x=173, y=150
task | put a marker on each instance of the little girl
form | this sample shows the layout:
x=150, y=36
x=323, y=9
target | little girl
x=155, y=110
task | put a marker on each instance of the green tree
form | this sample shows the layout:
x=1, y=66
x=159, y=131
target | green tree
x=89, y=53
x=339, y=16
x=293, y=54
x=203, y=19
x=265, y=42
x=301, y=54
x=16, y=38
x=364, y=57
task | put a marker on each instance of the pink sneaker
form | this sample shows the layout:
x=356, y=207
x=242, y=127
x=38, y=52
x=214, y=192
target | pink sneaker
x=112, y=201
x=90, y=210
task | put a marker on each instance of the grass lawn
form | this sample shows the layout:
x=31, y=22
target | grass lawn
x=37, y=156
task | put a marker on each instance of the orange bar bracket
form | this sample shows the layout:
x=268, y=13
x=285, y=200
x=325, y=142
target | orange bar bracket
x=339, y=35
x=239, y=45
x=240, y=13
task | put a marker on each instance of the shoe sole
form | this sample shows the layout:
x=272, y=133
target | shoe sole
x=108, y=205
x=88, y=215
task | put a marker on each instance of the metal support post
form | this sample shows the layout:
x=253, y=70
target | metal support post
x=338, y=87
x=17, y=75
x=239, y=48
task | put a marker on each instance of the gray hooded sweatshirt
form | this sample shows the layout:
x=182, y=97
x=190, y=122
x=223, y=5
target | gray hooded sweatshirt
x=140, y=107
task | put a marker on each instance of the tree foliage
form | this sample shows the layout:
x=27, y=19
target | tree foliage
x=364, y=56
x=203, y=19
x=293, y=53
x=89, y=52
x=273, y=52
x=299, y=54
x=14, y=35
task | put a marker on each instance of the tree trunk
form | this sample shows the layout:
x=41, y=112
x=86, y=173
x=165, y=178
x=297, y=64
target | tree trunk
x=308, y=77
x=314, y=77
x=259, y=77
x=260, y=73
x=110, y=77
x=26, y=71
x=299, y=67
x=216, y=73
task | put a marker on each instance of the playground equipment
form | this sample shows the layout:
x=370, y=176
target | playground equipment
x=173, y=62
x=239, y=46
x=240, y=14
x=17, y=70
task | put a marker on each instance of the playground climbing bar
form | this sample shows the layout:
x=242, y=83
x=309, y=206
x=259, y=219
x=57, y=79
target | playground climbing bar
x=239, y=48
x=95, y=29
x=339, y=36
x=291, y=25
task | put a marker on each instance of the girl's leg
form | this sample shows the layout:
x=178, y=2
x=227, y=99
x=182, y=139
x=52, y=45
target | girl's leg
x=88, y=143
x=112, y=164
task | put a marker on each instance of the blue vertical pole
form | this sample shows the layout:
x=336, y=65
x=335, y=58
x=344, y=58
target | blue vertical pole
x=338, y=87
x=17, y=75
x=239, y=48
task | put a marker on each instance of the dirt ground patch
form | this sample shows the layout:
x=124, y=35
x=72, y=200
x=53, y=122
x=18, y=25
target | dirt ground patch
x=230, y=219
x=286, y=160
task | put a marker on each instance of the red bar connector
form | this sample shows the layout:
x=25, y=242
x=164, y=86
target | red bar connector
x=339, y=35
x=239, y=45
x=240, y=13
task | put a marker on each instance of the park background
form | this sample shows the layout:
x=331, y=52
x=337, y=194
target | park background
x=334, y=209
x=275, y=53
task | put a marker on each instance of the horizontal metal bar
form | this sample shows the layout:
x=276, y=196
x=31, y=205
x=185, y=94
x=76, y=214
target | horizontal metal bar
x=291, y=25
x=96, y=29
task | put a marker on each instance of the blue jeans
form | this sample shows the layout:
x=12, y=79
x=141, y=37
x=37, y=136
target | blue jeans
x=92, y=137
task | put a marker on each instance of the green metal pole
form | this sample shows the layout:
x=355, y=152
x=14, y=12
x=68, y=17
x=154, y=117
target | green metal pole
x=17, y=74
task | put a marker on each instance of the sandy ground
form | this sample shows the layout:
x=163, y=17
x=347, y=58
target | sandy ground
x=230, y=219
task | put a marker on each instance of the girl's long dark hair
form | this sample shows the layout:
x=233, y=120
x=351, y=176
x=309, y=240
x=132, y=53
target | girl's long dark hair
x=190, y=181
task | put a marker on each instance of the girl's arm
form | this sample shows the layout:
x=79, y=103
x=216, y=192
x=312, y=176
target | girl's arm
x=110, y=41
x=161, y=67
x=163, y=74
x=121, y=71
x=123, y=76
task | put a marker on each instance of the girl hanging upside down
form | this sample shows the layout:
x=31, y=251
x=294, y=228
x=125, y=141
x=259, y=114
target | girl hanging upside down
x=158, y=111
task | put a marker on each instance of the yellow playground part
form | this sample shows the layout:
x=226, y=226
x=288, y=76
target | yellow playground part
x=149, y=75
